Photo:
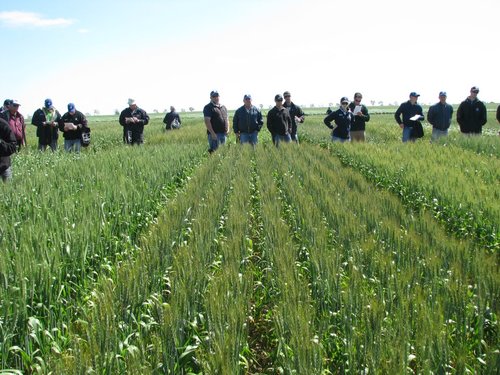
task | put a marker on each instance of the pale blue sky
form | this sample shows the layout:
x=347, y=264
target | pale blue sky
x=161, y=53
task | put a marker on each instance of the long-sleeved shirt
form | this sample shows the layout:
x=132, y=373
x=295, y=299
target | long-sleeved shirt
x=439, y=115
x=471, y=116
x=8, y=144
x=279, y=121
x=408, y=110
x=247, y=120
x=78, y=119
x=359, y=122
x=343, y=120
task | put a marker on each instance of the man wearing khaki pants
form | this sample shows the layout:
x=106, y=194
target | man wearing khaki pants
x=361, y=117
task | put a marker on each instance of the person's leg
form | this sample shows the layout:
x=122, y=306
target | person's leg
x=6, y=175
x=406, y=134
x=78, y=145
x=67, y=145
x=245, y=138
x=358, y=135
x=53, y=145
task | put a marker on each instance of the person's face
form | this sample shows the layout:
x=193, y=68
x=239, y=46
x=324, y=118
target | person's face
x=344, y=105
x=133, y=107
x=172, y=109
x=13, y=108
x=288, y=98
x=413, y=99
x=215, y=99
x=442, y=99
x=357, y=99
x=279, y=103
x=247, y=102
x=473, y=94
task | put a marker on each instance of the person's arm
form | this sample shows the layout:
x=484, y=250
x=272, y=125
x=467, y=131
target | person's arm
x=123, y=119
x=364, y=112
x=328, y=120
x=61, y=124
x=289, y=123
x=460, y=114
x=498, y=114
x=236, y=122
x=8, y=142
x=397, y=116
x=484, y=115
x=300, y=115
x=178, y=119
x=37, y=119
x=260, y=120
x=421, y=113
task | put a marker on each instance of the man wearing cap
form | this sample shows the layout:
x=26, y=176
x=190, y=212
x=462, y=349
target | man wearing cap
x=16, y=122
x=343, y=120
x=8, y=145
x=296, y=114
x=172, y=119
x=279, y=122
x=71, y=124
x=247, y=121
x=361, y=117
x=133, y=119
x=217, y=122
x=471, y=114
x=412, y=115
x=439, y=116
x=46, y=120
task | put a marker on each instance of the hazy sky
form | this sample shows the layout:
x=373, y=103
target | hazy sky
x=97, y=54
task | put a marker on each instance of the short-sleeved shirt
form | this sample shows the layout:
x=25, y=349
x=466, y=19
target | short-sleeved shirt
x=218, y=117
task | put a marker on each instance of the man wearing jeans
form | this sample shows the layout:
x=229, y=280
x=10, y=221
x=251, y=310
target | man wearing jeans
x=412, y=112
x=247, y=121
x=71, y=124
x=439, y=116
x=216, y=121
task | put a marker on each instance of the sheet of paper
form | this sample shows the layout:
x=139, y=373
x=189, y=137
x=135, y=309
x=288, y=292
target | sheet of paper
x=415, y=118
x=357, y=109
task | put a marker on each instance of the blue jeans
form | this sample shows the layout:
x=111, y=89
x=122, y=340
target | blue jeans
x=213, y=144
x=407, y=134
x=72, y=143
x=341, y=140
x=249, y=138
x=53, y=146
x=436, y=133
x=281, y=138
x=6, y=175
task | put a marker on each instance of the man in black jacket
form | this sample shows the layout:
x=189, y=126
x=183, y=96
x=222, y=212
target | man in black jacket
x=72, y=124
x=46, y=120
x=8, y=146
x=279, y=122
x=412, y=115
x=439, y=116
x=172, y=119
x=296, y=114
x=133, y=119
x=471, y=114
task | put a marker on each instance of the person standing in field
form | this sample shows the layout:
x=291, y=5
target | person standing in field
x=247, y=122
x=343, y=118
x=279, y=122
x=133, y=119
x=172, y=119
x=72, y=123
x=412, y=115
x=439, y=116
x=361, y=117
x=471, y=114
x=8, y=145
x=216, y=121
x=296, y=114
x=46, y=120
x=16, y=122
x=498, y=116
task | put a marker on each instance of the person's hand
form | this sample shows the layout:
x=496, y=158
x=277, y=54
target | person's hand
x=360, y=114
x=214, y=136
x=401, y=126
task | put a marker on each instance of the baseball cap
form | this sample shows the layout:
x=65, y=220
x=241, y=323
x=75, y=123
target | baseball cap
x=48, y=103
x=7, y=102
x=286, y=93
x=442, y=93
x=131, y=101
x=247, y=97
x=14, y=102
x=71, y=107
x=413, y=93
x=474, y=89
x=214, y=94
x=344, y=99
x=278, y=98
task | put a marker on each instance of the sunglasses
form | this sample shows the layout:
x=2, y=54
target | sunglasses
x=345, y=103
